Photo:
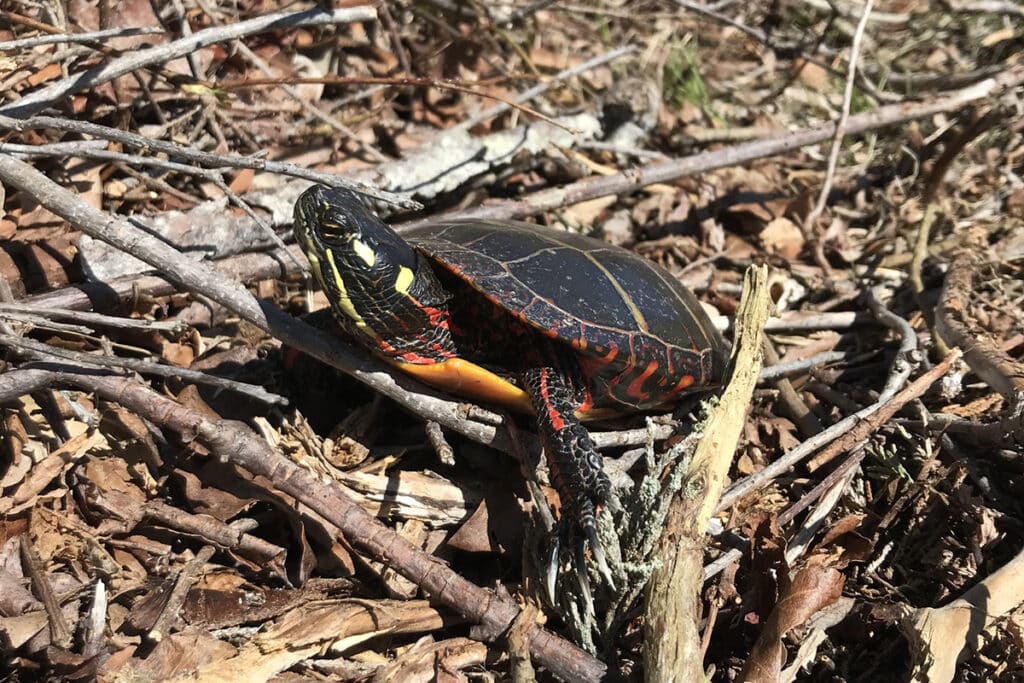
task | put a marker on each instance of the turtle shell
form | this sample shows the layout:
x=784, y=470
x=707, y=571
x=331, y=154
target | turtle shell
x=640, y=335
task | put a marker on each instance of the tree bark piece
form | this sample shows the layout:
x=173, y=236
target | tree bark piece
x=672, y=642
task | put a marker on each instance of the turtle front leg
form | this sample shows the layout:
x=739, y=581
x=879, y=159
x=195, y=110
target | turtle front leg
x=575, y=465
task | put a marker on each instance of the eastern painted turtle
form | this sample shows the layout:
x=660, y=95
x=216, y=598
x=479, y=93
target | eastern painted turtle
x=526, y=316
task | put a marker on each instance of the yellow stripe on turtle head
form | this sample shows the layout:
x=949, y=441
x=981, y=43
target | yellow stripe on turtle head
x=317, y=269
x=343, y=301
x=365, y=252
x=404, y=280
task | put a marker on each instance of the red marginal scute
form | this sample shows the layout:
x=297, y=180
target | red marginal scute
x=684, y=382
x=636, y=387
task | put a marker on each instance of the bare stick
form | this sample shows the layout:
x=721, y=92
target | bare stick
x=202, y=279
x=790, y=513
x=634, y=179
x=307, y=106
x=986, y=7
x=187, y=577
x=46, y=352
x=52, y=94
x=173, y=327
x=198, y=156
x=17, y=383
x=874, y=422
x=672, y=643
x=236, y=443
x=860, y=424
x=60, y=632
x=88, y=37
x=837, y=141
x=536, y=90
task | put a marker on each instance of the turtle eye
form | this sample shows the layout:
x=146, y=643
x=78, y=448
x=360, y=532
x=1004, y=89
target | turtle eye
x=333, y=230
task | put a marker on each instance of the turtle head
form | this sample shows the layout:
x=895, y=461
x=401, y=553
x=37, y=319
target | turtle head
x=364, y=267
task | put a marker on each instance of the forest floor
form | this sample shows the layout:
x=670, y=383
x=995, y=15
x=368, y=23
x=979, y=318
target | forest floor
x=186, y=496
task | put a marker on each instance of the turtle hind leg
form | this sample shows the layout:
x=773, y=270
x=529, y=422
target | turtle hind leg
x=575, y=465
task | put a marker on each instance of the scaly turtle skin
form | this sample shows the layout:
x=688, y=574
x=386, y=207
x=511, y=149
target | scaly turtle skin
x=529, y=317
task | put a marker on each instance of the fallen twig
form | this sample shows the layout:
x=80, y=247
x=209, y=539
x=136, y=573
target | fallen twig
x=999, y=370
x=810, y=221
x=852, y=429
x=939, y=636
x=636, y=178
x=236, y=443
x=137, y=59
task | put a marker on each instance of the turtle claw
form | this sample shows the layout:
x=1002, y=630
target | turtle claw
x=579, y=535
x=583, y=578
x=551, y=570
x=597, y=550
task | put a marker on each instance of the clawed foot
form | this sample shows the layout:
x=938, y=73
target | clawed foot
x=577, y=532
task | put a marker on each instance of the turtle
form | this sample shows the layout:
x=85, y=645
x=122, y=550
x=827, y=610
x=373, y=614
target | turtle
x=559, y=324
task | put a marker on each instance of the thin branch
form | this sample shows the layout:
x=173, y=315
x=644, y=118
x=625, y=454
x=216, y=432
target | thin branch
x=60, y=631
x=87, y=37
x=853, y=428
x=198, y=156
x=202, y=279
x=844, y=116
x=236, y=443
x=986, y=7
x=810, y=223
x=397, y=81
x=46, y=352
x=307, y=106
x=536, y=90
x=57, y=92
x=637, y=178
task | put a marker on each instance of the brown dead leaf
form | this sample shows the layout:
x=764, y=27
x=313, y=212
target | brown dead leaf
x=47, y=73
x=440, y=661
x=472, y=536
x=842, y=544
x=173, y=656
x=843, y=526
x=15, y=597
x=780, y=432
x=745, y=464
x=20, y=452
x=177, y=353
x=587, y=213
x=49, y=470
x=242, y=181
x=781, y=236
x=130, y=440
x=813, y=588
x=312, y=629
x=814, y=77
x=206, y=497
x=16, y=631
